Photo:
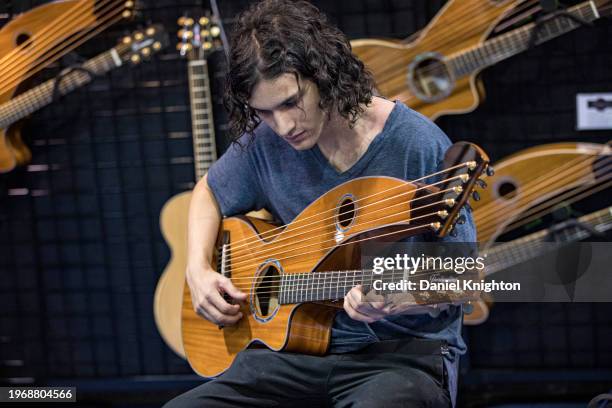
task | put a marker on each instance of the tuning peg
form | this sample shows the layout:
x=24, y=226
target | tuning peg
x=126, y=14
x=150, y=31
x=475, y=196
x=146, y=52
x=186, y=34
x=481, y=183
x=490, y=171
x=138, y=36
x=157, y=46
x=206, y=45
x=460, y=220
x=126, y=40
x=135, y=58
x=204, y=21
x=129, y=4
x=215, y=31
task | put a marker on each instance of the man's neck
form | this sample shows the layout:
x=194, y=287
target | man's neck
x=342, y=145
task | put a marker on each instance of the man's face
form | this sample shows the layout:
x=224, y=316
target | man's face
x=290, y=108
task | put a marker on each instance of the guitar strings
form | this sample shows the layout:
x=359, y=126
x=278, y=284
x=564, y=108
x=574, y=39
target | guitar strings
x=531, y=189
x=250, y=278
x=395, y=71
x=32, y=96
x=21, y=63
x=326, y=226
x=598, y=219
x=268, y=234
x=70, y=45
x=23, y=100
x=52, y=35
x=559, y=175
x=329, y=248
x=238, y=265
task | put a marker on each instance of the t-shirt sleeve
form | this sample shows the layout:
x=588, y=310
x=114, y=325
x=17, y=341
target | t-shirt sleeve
x=234, y=181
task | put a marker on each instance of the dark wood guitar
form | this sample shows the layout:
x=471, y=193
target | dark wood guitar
x=284, y=271
x=130, y=49
x=436, y=74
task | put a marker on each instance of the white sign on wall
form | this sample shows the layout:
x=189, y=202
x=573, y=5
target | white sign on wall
x=593, y=111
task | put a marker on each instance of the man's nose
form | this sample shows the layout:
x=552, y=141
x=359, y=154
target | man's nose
x=284, y=123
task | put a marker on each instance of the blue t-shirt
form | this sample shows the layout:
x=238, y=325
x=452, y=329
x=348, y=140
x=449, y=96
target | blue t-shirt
x=269, y=173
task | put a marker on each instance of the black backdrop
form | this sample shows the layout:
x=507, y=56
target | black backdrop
x=80, y=245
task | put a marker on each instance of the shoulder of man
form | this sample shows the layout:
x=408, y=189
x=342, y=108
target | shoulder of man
x=418, y=132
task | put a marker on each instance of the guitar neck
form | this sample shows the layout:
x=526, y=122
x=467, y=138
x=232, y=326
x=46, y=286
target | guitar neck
x=334, y=285
x=43, y=94
x=518, y=40
x=512, y=253
x=204, y=146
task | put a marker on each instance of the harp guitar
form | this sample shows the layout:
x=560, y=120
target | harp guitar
x=285, y=271
x=436, y=73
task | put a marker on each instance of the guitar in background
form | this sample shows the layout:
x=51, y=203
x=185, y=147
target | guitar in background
x=436, y=74
x=198, y=40
x=528, y=185
x=33, y=40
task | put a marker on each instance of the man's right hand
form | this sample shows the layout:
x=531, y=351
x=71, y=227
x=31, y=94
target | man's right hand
x=207, y=288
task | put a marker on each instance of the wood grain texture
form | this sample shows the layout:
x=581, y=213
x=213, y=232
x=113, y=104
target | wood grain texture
x=459, y=25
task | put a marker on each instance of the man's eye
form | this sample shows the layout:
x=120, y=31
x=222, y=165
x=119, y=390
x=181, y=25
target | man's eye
x=289, y=104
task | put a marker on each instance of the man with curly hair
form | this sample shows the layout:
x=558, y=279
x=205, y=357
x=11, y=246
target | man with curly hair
x=305, y=120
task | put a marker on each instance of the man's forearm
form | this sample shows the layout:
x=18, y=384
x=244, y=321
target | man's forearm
x=204, y=220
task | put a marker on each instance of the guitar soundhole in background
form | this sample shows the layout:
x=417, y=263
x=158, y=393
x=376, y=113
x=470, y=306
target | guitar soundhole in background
x=346, y=213
x=21, y=38
x=507, y=190
x=266, y=292
x=429, y=77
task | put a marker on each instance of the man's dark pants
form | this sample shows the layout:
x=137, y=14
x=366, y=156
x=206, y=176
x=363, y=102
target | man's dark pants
x=395, y=373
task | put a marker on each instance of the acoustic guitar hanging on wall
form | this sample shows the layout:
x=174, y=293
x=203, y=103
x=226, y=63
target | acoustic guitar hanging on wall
x=436, y=74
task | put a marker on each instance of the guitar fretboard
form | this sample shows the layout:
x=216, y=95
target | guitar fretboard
x=516, y=41
x=507, y=254
x=204, y=147
x=42, y=95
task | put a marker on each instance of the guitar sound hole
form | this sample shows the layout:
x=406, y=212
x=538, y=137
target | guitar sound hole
x=507, y=190
x=21, y=38
x=346, y=213
x=429, y=77
x=266, y=292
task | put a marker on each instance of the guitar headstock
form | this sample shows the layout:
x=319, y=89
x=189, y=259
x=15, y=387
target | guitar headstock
x=142, y=44
x=198, y=38
x=464, y=164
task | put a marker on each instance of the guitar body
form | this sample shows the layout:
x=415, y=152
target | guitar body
x=390, y=61
x=17, y=30
x=548, y=167
x=168, y=297
x=312, y=242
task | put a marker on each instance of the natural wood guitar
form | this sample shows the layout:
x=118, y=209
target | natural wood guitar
x=528, y=184
x=173, y=218
x=436, y=74
x=33, y=40
x=130, y=49
x=316, y=258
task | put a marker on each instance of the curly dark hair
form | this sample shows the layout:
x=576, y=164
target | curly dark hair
x=274, y=37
